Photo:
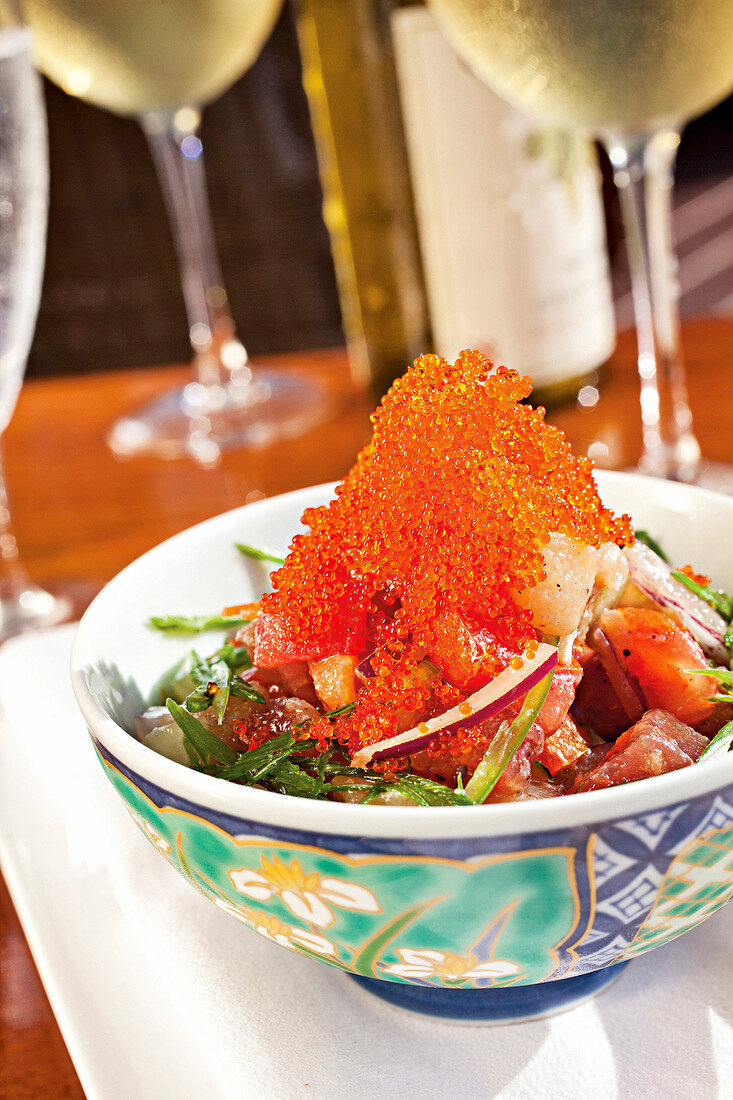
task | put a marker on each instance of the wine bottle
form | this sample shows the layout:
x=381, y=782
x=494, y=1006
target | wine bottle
x=512, y=256
x=351, y=84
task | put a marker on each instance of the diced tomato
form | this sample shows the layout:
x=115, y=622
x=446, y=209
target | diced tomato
x=658, y=654
x=658, y=743
x=274, y=644
x=334, y=680
x=456, y=652
x=460, y=650
x=563, y=747
x=279, y=637
x=560, y=697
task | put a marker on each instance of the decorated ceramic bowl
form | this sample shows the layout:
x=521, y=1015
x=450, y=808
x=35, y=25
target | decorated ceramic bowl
x=488, y=912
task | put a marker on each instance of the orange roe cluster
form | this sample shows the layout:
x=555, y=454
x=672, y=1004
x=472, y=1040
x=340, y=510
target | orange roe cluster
x=699, y=578
x=442, y=519
x=449, y=506
x=392, y=700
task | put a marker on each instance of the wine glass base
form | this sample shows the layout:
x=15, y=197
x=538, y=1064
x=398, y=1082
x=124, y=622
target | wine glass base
x=24, y=606
x=715, y=475
x=200, y=421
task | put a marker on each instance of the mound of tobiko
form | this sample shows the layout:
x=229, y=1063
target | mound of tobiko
x=464, y=622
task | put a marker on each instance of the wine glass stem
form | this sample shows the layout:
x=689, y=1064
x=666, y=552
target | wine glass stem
x=178, y=155
x=643, y=167
x=23, y=605
x=10, y=568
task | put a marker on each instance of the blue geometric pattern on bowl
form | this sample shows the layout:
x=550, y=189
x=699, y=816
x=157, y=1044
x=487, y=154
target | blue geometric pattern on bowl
x=480, y=912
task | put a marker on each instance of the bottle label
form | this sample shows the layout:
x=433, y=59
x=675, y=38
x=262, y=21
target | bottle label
x=510, y=218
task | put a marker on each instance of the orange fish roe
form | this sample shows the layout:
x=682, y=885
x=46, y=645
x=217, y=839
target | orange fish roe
x=250, y=736
x=698, y=578
x=447, y=508
x=391, y=701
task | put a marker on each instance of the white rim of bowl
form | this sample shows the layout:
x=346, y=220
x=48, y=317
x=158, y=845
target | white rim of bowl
x=644, y=796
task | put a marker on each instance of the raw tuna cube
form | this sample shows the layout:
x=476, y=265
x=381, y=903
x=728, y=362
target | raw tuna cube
x=658, y=743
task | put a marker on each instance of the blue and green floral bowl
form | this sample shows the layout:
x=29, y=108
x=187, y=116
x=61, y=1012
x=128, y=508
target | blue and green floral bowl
x=490, y=912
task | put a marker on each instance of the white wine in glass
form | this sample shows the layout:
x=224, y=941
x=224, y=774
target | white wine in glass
x=23, y=210
x=161, y=61
x=630, y=72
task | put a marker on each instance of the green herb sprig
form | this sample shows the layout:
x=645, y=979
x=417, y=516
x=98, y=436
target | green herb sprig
x=211, y=691
x=256, y=554
x=720, y=744
x=183, y=624
x=725, y=678
x=199, y=742
x=290, y=765
x=216, y=679
x=245, y=691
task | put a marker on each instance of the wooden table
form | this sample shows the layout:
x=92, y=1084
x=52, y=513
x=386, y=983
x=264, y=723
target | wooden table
x=81, y=515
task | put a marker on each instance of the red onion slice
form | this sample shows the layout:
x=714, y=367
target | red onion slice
x=653, y=577
x=620, y=682
x=509, y=685
x=364, y=669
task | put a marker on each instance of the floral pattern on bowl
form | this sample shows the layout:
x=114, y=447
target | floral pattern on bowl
x=502, y=918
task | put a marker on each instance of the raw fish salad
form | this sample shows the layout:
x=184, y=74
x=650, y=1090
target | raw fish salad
x=464, y=623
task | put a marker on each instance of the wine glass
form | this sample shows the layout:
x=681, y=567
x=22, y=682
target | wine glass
x=23, y=210
x=160, y=61
x=629, y=72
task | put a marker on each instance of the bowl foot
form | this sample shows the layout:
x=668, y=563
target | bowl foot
x=507, y=1005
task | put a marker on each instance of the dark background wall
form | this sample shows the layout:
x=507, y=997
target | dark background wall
x=111, y=294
